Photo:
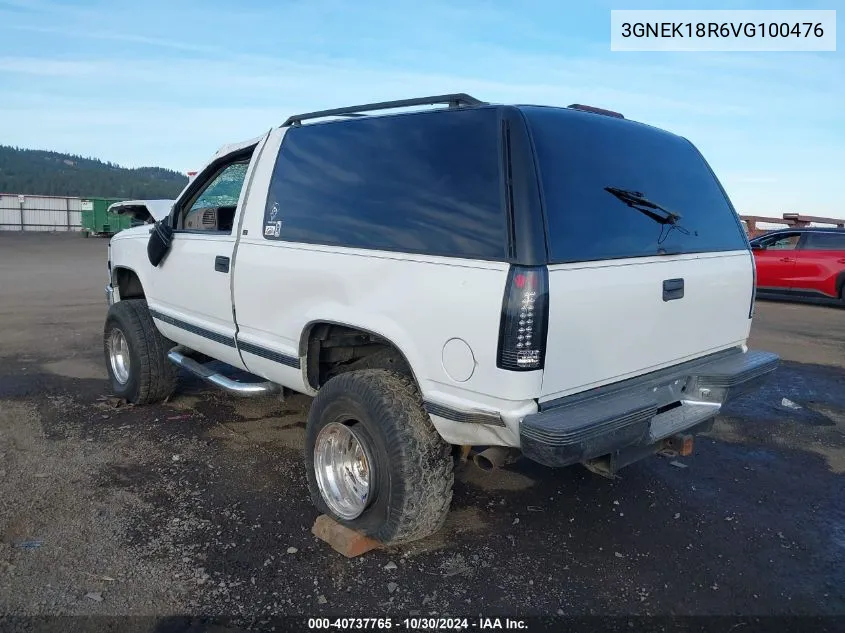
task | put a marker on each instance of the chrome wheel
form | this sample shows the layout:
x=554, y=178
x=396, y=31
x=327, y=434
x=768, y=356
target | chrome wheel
x=119, y=356
x=342, y=470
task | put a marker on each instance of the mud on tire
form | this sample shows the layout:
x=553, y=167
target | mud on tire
x=411, y=467
x=151, y=377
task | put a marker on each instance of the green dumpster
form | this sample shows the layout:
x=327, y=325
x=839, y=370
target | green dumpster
x=97, y=221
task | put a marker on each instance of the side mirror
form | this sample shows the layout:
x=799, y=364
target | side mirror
x=161, y=237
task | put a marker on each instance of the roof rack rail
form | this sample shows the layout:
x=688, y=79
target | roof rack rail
x=595, y=110
x=453, y=101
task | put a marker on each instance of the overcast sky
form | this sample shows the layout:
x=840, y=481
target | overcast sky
x=167, y=83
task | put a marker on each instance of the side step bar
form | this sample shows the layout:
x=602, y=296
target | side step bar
x=243, y=389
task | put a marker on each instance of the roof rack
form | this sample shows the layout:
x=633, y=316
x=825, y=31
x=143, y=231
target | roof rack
x=453, y=101
x=595, y=110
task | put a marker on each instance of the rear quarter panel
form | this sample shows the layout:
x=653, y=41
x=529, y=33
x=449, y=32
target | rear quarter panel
x=417, y=302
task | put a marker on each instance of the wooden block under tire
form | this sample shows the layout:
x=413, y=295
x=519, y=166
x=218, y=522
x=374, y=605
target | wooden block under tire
x=341, y=538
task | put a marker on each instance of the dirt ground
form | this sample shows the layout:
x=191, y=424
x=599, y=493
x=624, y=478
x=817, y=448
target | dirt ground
x=198, y=507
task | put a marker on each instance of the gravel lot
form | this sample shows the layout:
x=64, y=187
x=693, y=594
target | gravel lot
x=199, y=506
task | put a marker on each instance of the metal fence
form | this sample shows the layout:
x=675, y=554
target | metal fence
x=42, y=213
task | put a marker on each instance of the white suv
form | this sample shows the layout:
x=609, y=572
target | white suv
x=559, y=282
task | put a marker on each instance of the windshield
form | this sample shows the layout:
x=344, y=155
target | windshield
x=584, y=157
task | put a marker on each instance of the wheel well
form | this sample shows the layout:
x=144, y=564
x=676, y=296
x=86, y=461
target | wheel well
x=840, y=284
x=332, y=349
x=128, y=284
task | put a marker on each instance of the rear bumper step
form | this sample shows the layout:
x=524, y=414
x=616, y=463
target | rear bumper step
x=243, y=389
x=640, y=412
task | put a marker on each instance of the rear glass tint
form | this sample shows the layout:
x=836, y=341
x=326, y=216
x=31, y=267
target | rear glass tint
x=417, y=183
x=580, y=155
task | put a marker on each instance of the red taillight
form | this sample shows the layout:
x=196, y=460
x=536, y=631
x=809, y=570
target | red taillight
x=525, y=316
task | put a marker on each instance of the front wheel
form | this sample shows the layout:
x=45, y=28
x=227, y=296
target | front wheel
x=374, y=461
x=136, y=354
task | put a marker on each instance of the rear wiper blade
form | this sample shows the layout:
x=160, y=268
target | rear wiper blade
x=638, y=201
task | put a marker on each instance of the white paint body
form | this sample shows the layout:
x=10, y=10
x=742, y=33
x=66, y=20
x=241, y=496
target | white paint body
x=607, y=320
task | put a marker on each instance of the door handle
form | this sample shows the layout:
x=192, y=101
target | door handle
x=787, y=259
x=841, y=261
x=221, y=264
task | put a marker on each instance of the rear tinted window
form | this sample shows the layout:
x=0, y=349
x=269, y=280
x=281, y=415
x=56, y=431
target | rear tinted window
x=825, y=241
x=580, y=155
x=420, y=183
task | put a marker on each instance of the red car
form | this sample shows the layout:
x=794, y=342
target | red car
x=801, y=263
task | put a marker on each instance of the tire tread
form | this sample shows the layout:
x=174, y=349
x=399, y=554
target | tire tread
x=156, y=375
x=421, y=493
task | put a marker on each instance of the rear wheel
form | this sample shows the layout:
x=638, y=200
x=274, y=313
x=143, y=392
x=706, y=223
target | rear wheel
x=136, y=354
x=374, y=461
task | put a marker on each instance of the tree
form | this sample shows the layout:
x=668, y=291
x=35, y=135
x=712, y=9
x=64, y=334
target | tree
x=37, y=172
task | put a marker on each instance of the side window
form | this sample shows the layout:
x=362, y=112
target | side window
x=213, y=209
x=784, y=242
x=825, y=241
x=418, y=183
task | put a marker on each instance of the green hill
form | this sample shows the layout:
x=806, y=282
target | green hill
x=37, y=172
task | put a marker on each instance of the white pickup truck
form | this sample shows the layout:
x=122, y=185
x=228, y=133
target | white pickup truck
x=557, y=282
